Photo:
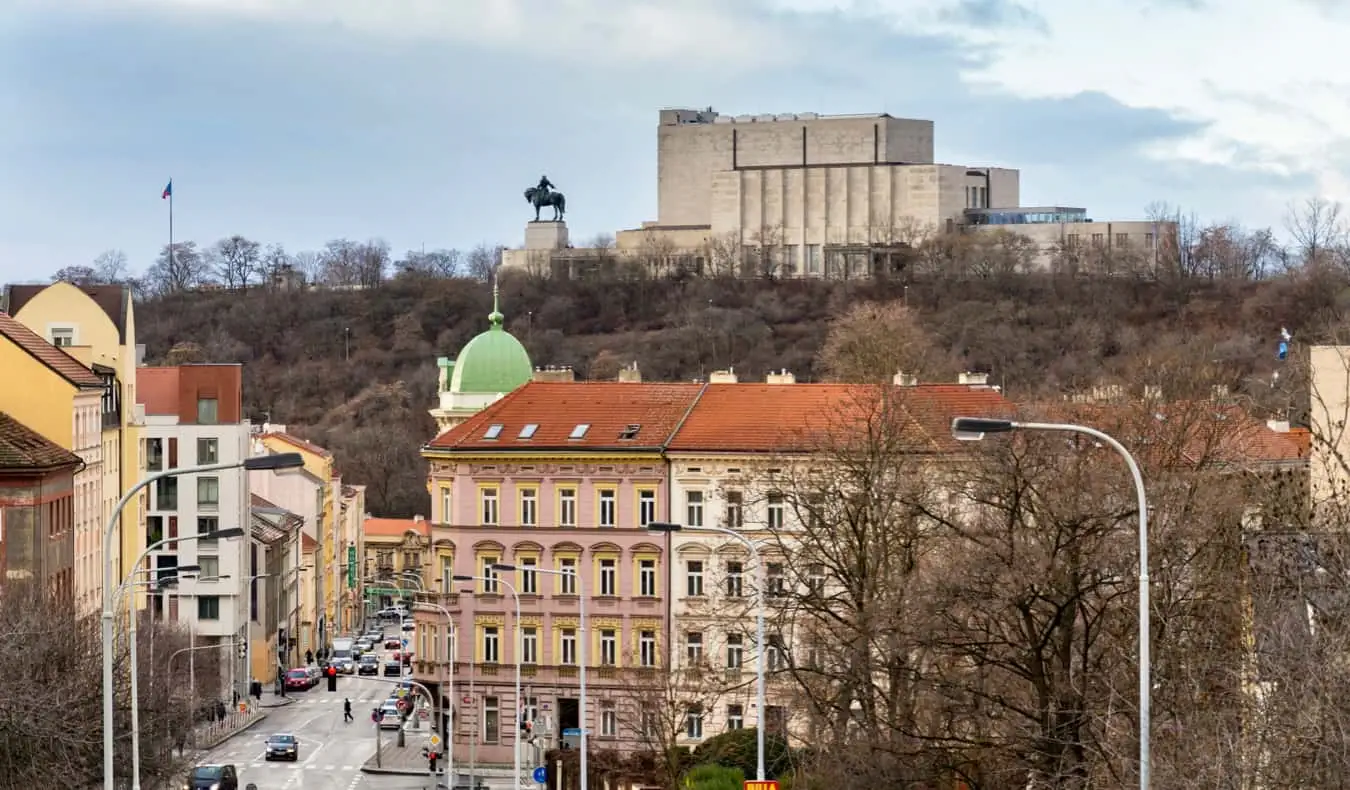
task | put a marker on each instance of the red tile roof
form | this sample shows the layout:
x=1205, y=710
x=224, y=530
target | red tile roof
x=768, y=418
x=395, y=527
x=61, y=363
x=22, y=448
x=557, y=408
x=297, y=442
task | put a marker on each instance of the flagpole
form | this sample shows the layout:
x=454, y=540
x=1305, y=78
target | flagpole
x=173, y=266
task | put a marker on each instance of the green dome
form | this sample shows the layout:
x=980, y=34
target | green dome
x=492, y=362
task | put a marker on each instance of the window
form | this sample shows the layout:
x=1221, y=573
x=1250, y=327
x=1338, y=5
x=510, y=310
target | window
x=774, y=581
x=774, y=659
x=568, y=642
x=493, y=431
x=694, y=578
x=166, y=493
x=529, y=577
x=815, y=579
x=531, y=709
x=527, y=432
x=154, y=455
x=567, y=582
x=693, y=508
x=210, y=567
x=735, y=580
x=1148, y=239
x=609, y=510
x=609, y=719
x=489, y=510
x=63, y=336
x=647, y=578
x=492, y=723
x=1098, y=239
x=208, y=607
x=792, y=262
x=445, y=505
x=489, y=575
x=735, y=651
x=813, y=259
x=208, y=493
x=579, y=432
x=609, y=647
x=693, y=721
x=646, y=507
x=1122, y=239
x=815, y=511
x=693, y=648
x=207, y=526
x=735, y=717
x=567, y=507
x=735, y=509
x=776, y=511
x=529, y=507
x=609, y=576
x=647, y=648
x=529, y=645
x=775, y=719
x=154, y=529
x=630, y=432
x=208, y=411
x=492, y=644
x=1071, y=240
x=208, y=451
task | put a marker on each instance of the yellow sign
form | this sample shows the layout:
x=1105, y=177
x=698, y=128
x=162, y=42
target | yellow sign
x=771, y=784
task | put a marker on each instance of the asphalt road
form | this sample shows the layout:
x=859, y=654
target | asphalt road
x=331, y=752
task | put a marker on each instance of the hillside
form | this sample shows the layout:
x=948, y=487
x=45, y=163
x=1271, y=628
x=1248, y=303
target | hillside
x=354, y=370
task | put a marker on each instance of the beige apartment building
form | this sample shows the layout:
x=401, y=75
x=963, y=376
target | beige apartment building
x=809, y=195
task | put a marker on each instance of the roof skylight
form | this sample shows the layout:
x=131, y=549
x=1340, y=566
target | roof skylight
x=493, y=431
x=579, y=432
x=528, y=431
x=630, y=431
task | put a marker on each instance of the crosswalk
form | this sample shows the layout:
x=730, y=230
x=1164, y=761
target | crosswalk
x=325, y=698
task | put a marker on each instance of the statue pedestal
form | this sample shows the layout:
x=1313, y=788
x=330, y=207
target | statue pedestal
x=546, y=236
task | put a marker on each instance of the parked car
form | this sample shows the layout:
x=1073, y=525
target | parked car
x=282, y=746
x=316, y=673
x=369, y=665
x=390, y=718
x=393, y=643
x=299, y=679
x=213, y=777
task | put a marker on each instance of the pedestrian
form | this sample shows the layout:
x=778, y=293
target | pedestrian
x=309, y=657
x=374, y=715
x=347, y=716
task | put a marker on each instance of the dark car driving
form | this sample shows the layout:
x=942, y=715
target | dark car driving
x=369, y=665
x=282, y=746
x=213, y=777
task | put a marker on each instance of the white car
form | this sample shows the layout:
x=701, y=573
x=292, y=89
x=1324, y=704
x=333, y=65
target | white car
x=389, y=715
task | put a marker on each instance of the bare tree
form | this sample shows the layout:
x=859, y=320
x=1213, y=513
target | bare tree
x=236, y=260
x=658, y=708
x=437, y=263
x=877, y=340
x=1318, y=231
x=111, y=266
x=482, y=261
x=179, y=269
x=76, y=275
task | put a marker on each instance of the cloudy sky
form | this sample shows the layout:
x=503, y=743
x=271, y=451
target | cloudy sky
x=421, y=121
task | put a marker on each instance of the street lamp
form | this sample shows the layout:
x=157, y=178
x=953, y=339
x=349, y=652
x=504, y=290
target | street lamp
x=276, y=462
x=663, y=526
x=495, y=580
x=974, y=429
x=585, y=637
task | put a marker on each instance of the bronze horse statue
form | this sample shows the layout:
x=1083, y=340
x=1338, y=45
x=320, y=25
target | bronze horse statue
x=539, y=197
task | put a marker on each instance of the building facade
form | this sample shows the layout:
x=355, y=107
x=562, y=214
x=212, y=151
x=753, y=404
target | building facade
x=97, y=325
x=37, y=510
x=274, y=563
x=62, y=400
x=192, y=416
x=561, y=481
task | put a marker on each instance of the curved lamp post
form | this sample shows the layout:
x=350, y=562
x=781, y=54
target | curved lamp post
x=275, y=462
x=974, y=429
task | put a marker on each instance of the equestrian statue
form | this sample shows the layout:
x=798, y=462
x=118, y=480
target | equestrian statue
x=545, y=195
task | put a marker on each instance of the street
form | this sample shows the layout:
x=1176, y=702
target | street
x=331, y=752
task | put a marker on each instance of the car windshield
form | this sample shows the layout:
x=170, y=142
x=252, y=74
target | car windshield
x=297, y=673
x=282, y=739
x=208, y=772
x=368, y=659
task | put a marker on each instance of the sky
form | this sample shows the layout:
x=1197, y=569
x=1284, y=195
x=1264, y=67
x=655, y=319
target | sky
x=421, y=122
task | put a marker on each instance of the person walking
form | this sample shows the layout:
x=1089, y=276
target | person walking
x=347, y=716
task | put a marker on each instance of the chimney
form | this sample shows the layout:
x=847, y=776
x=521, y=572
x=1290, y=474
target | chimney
x=1220, y=392
x=1278, y=426
x=557, y=375
x=781, y=377
x=631, y=375
x=903, y=379
x=975, y=379
x=727, y=376
x=1152, y=392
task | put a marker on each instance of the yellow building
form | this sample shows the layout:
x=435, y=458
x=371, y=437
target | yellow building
x=351, y=533
x=56, y=395
x=96, y=324
x=397, y=554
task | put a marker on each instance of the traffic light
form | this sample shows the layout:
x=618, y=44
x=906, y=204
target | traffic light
x=332, y=678
x=432, y=756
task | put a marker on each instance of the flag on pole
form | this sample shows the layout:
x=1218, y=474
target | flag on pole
x=168, y=190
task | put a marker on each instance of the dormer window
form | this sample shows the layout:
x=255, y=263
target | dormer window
x=528, y=431
x=630, y=432
x=579, y=432
x=493, y=431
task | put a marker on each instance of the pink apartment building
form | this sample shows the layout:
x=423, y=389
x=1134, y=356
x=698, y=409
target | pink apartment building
x=555, y=477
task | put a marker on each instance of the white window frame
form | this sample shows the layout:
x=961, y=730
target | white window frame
x=607, y=510
x=529, y=645
x=609, y=576
x=693, y=508
x=693, y=578
x=492, y=645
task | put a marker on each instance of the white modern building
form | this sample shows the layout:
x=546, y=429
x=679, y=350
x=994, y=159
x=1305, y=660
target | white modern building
x=192, y=416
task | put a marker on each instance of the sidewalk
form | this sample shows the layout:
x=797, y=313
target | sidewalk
x=391, y=759
x=270, y=700
x=206, y=737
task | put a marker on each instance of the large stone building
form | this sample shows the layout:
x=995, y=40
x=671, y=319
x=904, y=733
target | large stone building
x=37, y=510
x=808, y=195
